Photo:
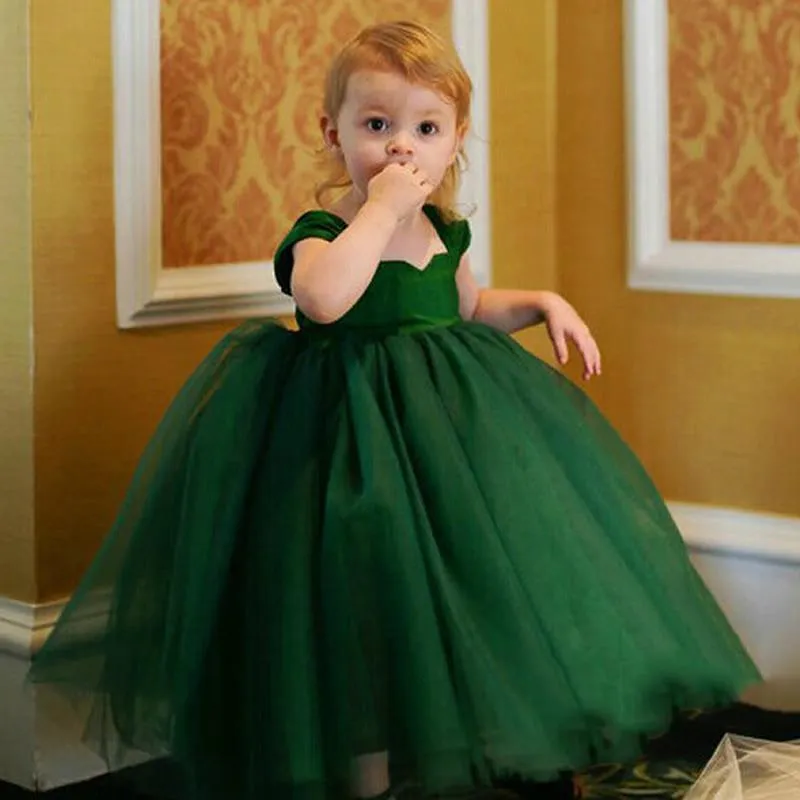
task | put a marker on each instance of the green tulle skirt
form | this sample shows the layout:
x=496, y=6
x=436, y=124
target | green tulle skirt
x=429, y=543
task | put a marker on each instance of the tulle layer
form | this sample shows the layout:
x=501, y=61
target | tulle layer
x=429, y=543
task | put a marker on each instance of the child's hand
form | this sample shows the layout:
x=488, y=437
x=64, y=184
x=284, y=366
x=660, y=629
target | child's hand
x=400, y=187
x=563, y=324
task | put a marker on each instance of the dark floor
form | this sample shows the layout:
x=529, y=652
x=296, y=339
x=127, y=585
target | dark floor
x=671, y=765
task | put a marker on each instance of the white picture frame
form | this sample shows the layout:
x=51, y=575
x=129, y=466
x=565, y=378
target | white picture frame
x=150, y=294
x=655, y=261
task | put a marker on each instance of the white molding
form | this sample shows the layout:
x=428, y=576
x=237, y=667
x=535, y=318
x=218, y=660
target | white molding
x=24, y=626
x=471, y=39
x=734, y=532
x=147, y=293
x=150, y=294
x=41, y=733
x=656, y=262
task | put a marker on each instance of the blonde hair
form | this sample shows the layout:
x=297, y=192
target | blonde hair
x=420, y=56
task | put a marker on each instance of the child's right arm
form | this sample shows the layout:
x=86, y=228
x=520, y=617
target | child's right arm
x=329, y=277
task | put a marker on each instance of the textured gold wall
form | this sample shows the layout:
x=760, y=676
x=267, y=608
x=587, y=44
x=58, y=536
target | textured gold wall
x=522, y=146
x=735, y=127
x=241, y=96
x=706, y=388
x=99, y=392
x=17, y=577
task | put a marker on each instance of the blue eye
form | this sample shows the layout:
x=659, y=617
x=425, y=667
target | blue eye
x=377, y=125
x=428, y=128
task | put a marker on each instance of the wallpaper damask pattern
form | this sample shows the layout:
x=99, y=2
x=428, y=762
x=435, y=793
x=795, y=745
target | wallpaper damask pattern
x=241, y=85
x=735, y=120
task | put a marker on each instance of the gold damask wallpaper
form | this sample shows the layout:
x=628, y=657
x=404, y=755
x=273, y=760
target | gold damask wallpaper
x=241, y=86
x=557, y=156
x=735, y=120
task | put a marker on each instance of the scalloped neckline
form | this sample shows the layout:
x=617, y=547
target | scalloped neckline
x=401, y=261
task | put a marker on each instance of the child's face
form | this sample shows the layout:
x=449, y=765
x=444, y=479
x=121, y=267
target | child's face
x=384, y=119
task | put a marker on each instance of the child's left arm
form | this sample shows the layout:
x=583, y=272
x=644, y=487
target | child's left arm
x=511, y=310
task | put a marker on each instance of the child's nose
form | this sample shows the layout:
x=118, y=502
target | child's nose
x=400, y=145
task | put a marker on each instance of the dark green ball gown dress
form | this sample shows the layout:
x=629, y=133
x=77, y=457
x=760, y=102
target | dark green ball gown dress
x=400, y=532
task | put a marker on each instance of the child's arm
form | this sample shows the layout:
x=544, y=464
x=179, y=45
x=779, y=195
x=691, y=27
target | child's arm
x=329, y=277
x=508, y=310
x=511, y=310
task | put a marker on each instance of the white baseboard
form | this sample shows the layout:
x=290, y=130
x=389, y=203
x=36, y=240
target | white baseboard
x=41, y=744
x=750, y=561
x=737, y=533
x=24, y=626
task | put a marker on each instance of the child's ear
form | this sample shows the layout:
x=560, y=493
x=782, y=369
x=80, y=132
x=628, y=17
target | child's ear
x=461, y=135
x=329, y=133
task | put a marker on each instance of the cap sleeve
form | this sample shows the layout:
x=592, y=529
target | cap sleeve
x=462, y=236
x=311, y=225
x=455, y=234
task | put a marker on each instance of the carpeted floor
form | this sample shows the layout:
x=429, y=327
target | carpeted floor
x=657, y=780
x=671, y=765
x=674, y=761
